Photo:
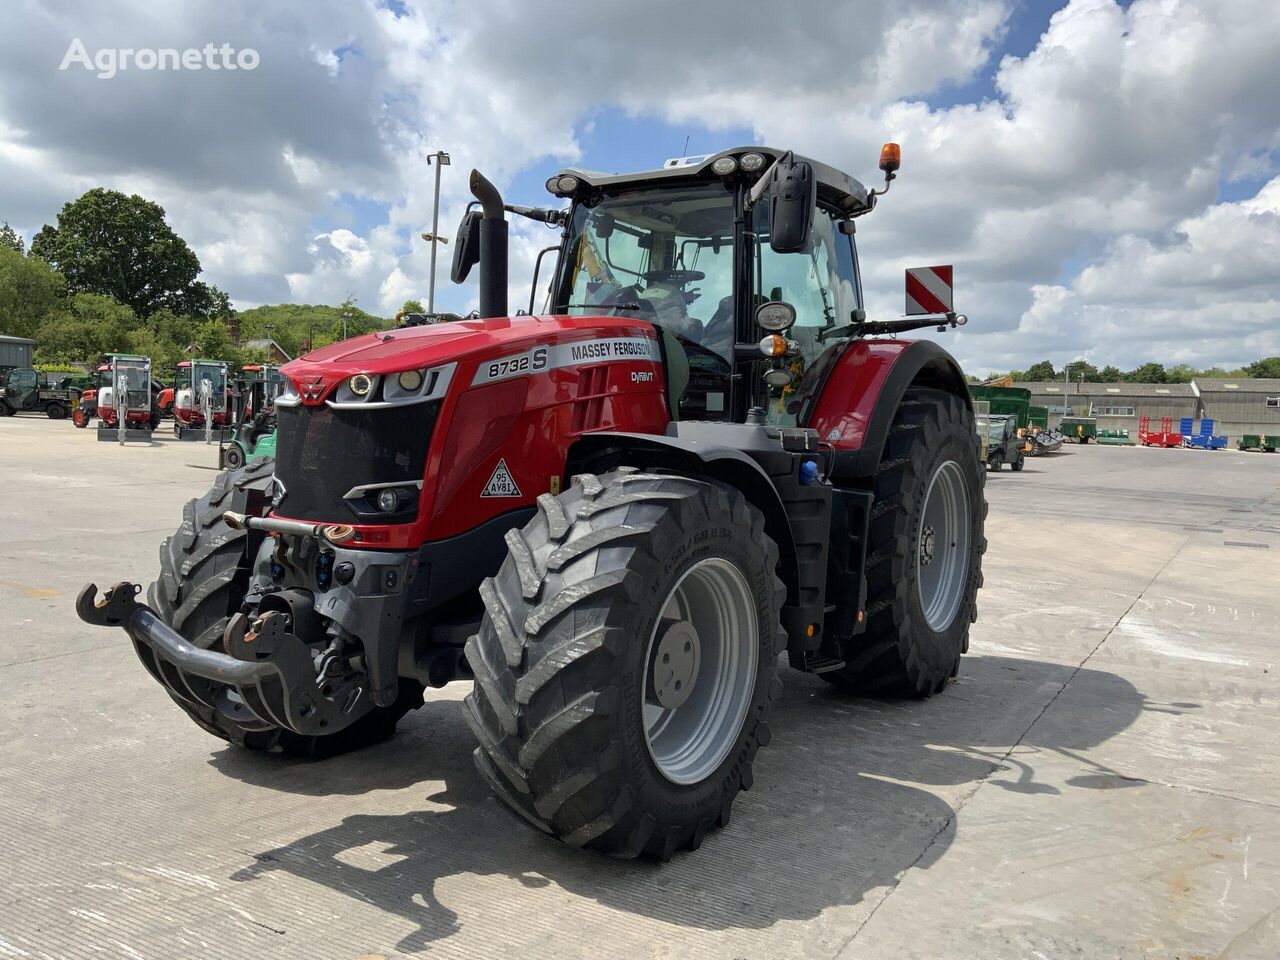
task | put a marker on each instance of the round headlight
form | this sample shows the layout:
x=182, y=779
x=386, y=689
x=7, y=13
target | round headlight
x=360, y=384
x=724, y=166
x=775, y=315
x=388, y=501
x=773, y=345
x=567, y=184
x=410, y=380
x=777, y=377
x=552, y=184
x=751, y=162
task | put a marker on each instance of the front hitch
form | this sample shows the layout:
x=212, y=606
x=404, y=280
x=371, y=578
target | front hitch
x=272, y=671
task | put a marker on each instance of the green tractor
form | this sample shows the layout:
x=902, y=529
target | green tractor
x=253, y=417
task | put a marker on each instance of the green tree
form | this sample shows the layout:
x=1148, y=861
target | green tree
x=213, y=342
x=30, y=291
x=92, y=324
x=413, y=306
x=9, y=238
x=1147, y=373
x=1082, y=369
x=1110, y=374
x=1264, y=368
x=1041, y=371
x=120, y=246
x=1181, y=373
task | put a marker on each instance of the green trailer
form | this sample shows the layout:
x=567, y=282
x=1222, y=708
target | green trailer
x=1115, y=438
x=1254, y=441
x=1079, y=429
x=1009, y=402
x=1039, y=417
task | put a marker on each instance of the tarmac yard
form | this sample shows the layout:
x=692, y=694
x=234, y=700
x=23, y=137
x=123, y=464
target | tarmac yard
x=1101, y=780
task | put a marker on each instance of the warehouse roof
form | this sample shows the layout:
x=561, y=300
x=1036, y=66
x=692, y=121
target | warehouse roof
x=1238, y=384
x=1051, y=387
x=6, y=339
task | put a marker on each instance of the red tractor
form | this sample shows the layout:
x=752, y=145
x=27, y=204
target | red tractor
x=613, y=518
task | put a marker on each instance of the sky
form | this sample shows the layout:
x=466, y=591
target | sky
x=1104, y=176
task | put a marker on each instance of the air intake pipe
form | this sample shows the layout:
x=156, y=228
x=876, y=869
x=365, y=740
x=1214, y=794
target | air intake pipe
x=493, y=247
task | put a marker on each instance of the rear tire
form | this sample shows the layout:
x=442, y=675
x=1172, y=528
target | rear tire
x=6, y=409
x=80, y=417
x=55, y=411
x=566, y=706
x=911, y=646
x=995, y=461
x=204, y=573
x=233, y=457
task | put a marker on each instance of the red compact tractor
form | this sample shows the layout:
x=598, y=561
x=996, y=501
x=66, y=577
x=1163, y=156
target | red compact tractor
x=613, y=518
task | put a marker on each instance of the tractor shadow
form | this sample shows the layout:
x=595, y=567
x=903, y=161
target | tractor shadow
x=849, y=795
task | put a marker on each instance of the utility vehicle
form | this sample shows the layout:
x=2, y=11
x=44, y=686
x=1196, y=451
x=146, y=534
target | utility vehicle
x=613, y=517
x=28, y=391
x=1004, y=443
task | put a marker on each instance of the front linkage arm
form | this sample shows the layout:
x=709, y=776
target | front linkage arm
x=272, y=671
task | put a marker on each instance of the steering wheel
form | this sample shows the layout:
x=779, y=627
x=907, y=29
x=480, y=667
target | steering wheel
x=676, y=278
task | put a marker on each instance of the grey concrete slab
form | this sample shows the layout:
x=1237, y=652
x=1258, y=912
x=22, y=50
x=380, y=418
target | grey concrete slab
x=1098, y=781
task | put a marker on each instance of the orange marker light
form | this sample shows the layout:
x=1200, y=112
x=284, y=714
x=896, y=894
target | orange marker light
x=773, y=345
x=890, y=157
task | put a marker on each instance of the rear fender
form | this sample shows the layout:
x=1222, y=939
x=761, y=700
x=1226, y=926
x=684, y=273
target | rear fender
x=697, y=457
x=863, y=386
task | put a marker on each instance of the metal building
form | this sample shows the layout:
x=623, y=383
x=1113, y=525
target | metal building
x=1240, y=406
x=16, y=351
x=1116, y=406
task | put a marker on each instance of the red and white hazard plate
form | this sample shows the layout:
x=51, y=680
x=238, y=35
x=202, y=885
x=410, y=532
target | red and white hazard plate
x=928, y=290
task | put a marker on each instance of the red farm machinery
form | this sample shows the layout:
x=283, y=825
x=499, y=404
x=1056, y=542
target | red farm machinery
x=612, y=518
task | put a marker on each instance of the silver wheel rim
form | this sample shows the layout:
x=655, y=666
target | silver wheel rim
x=700, y=670
x=942, y=552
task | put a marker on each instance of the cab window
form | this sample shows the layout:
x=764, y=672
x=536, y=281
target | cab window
x=820, y=281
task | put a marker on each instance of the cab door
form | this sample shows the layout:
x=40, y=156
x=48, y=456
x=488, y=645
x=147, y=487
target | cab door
x=22, y=391
x=821, y=283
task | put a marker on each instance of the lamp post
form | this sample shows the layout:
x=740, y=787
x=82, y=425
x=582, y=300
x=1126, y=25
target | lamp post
x=442, y=160
x=346, y=315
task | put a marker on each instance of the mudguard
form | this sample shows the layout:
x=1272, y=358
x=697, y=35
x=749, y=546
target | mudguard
x=858, y=390
x=739, y=455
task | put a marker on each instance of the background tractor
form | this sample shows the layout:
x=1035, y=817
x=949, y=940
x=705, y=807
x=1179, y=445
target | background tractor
x=612, y=518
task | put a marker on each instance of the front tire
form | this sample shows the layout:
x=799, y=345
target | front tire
x=233, y=457
x=924, y=555
x=204, y=574
x=591, y=725
x=55, y=411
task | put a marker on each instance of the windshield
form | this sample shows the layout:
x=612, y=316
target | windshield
x=659, y=254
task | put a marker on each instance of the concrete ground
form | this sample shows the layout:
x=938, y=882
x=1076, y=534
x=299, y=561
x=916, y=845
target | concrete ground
x=1100, y=781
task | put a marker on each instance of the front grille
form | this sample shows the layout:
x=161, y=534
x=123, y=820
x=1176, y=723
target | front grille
x=321, y=453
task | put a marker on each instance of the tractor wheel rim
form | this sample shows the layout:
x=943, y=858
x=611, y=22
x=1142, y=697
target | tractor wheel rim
x=700, y=671
x=942, y=550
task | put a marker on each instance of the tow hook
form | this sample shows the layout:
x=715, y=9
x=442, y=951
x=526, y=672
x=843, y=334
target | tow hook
x=272, y=670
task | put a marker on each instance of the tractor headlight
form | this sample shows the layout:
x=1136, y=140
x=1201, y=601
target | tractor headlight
x=360, y=384
x=566, y=184
x=724, y=166
x=751, y=162
x=776, y=316
x=388, y=500
x=410, y=381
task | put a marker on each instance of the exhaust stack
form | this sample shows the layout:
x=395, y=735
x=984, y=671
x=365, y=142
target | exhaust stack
x=493, y=248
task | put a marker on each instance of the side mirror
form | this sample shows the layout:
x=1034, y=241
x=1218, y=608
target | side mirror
x=792, y=198
x=466, y=250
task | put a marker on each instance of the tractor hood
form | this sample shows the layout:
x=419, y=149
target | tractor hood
x=465, y=341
